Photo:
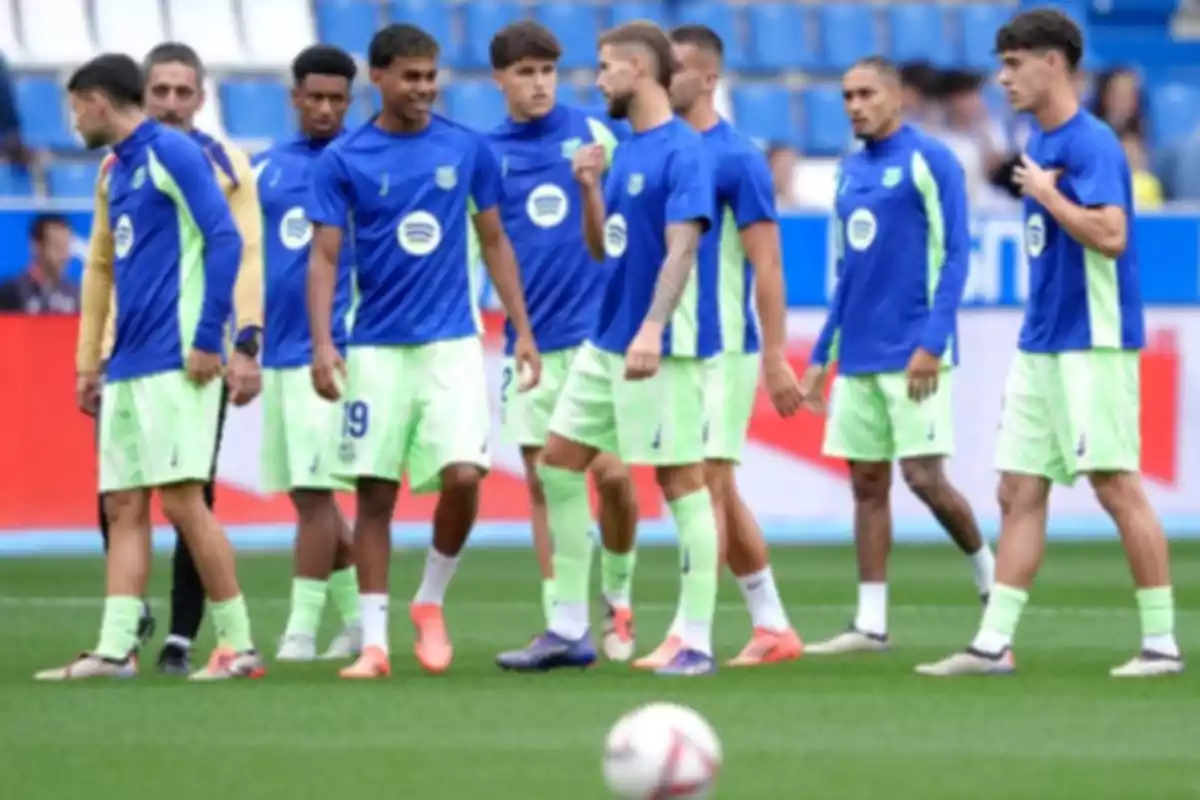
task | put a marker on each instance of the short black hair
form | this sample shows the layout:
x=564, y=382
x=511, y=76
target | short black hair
x=1042, y=29
x=954, y=82
x=920, y=76
x=115, y=75
x=323, y=59
x=175, y=53
x=400, y=40
x=43, y=222
x=880, y=64
x=521, y=40
x=701, y=36
x=649, y=35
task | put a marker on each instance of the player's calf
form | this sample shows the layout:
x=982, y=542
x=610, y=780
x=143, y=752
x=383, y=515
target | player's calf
x=618, y=531
x=926, y=478
x=376, y=503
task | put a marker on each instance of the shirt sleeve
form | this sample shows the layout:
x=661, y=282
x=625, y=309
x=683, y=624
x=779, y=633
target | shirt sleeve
x=946, y=200
x=192, y=184
x=690, y=192
x=752, y=195
x=97, y=317
x=825, y=349
x=1097, y=172
x=329, y=199
x=247, y=216
x=487, y=183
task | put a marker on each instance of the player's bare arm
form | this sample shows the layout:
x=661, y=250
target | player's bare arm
x=645, y=352
x=506, y=277
x=244, y=375
x=760, y=240
x=95, y=304
x=589, y=165
x=1104, y=229
x=327, y=365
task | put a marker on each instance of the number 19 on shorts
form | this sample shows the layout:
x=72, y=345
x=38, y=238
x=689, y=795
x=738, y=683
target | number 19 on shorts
x=356, y=418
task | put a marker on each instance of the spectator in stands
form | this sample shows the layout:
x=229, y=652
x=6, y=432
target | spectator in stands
x=919, y=83
x=43, y=288
x=978, y=140
x=784, y=160
x=1118, y=100
x=12, y=148
x=1147, y=189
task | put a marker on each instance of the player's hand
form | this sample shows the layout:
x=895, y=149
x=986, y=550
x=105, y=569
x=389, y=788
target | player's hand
x=529, y=362
x=812, y=388
x=328, y=372
x=1034, y=181
x=244, y=378
x=924, y=369
x=588, y=165
x=644, y=355
x=87, y=392
x=202, y=367
x=782, y=385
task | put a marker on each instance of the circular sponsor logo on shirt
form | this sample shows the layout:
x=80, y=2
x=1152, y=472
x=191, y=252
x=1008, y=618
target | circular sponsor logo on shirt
x=419, y=233
x=295, y=231
x=123, y=236
x=1035, y=235
x=547, y=205
x=860, y=229
x=616, y=234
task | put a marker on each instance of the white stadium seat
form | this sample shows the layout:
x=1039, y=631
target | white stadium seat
x=210, y=26
x=276, y=30
x=129, y=26
x=10, y=45
x=56, y=31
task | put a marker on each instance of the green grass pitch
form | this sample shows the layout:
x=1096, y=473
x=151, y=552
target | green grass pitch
x=863, y=727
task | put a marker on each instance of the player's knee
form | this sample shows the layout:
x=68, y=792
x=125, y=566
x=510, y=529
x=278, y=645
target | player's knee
x=612, y=479
x=870, y=483
x=1117, y=492
x=376, y=499
x=461, y=478
x=125, y=508
x=923, y=477
x=1021, y=494
x=680, y=481
x=310, y=504
x=183, y=503
x=718, y=475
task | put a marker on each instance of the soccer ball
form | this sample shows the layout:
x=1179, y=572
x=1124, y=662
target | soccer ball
x=661, y=750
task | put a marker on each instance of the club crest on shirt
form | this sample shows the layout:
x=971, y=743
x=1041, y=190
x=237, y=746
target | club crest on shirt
x=637, y=182
x=1035, y=235
x=139, y=178
x=570, y=146
x=446, y=177
x=892, y=176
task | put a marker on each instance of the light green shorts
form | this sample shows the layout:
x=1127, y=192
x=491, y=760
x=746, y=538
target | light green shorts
x=731, y=384
x=657, y=422
x=525, y=416
x=1065, y=414
x=872, y=418
x=301, y=433
x=415, y=410
x=157, y=430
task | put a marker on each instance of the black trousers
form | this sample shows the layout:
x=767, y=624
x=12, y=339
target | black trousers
x=187, y=590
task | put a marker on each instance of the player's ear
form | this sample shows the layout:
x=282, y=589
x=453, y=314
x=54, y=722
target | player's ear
x=498, y=78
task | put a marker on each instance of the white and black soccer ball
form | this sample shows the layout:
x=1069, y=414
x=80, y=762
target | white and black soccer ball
x=661, y=750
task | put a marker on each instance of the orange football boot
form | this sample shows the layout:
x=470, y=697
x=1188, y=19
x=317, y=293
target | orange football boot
x=769, y=647
x=432, y=646
x=373, y=663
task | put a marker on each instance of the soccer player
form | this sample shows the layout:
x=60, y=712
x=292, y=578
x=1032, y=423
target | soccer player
x=637, y=387
x=174, y=77
x=1071, y=403
x=903, y=247
x=173, y=261
x=743, y=245
x=541, y=211
x=301, y=430
x=416, y=398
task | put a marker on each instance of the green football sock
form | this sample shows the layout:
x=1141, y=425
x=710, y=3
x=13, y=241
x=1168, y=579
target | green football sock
x=308, y=602
x=616, y=576
x=1157, y=610
x=697, y=525
x=548, y=599
x=570, y=517
x=343, y=590
x=232, y=621
x=1000, y=618
x=118, y=627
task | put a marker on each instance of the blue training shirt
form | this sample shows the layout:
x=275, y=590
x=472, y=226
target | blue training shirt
x=405, y=200
x=1080, y=299
x=176, y=252
x=903, y=245
x=284, y=175
x=658, y=177
x=541, y=212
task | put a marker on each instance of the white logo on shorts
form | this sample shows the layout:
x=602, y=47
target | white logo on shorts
x=123, y=236
x=419, y=233
x=616, y=233
x=547, y=205
x=861, y=228
x=1035, y=235
x=295, y=231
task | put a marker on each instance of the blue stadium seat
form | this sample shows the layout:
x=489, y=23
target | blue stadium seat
x=73, y=179
x=764, y=111
x=476, y=104
x=827, y=131
x=848, y=33
x=919, y=32
x=349, y=24
x=43, y=113
x=1174, y=112
x=978, y=25
x=256, y=109
x=481, y=20
x=630, y=11
x=14, y=181
x=723, y=20
x=780, y=37
x=568, y=93
x=433, y=17
x=575, y=25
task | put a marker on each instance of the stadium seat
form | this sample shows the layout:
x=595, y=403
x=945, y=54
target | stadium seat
x=764, y=111
x=43, y=113
x=211, y=27
x=476, y=104
x=481, y=20
x=256, y=109
x=978, y=25
x=1174, y=112
x=14, y=181
x=780, y=37
x=827, y=131
x=276, y=30
x=620, y=13
x=348, y=24
x=918, y=32
x=10, y=45
x=575, y=25
x=72, y=179
x=431, y=16
x=129, y=26
x=848, y=33
x=722, y=19
x=56, y=31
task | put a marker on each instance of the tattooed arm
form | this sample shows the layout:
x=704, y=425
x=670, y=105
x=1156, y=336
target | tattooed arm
x=683, y=244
